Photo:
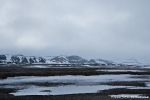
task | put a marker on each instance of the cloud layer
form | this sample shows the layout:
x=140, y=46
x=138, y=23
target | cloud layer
x=117, y=29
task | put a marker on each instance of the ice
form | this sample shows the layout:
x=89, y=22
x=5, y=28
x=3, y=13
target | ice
x=62, y=90
x=129, y=96
x=69, y=78
x=79, y=84
x=122, y=70
x=36, y=66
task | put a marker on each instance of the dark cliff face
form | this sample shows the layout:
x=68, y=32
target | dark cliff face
x=76, y=59
x=34, y=59
x=92, y=61
x=58, y=59
x=15, y=59
x=42, y=60
x=24, y=60
x=31, y=61
x=3, y=57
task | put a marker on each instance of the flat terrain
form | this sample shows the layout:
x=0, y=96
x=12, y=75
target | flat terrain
x=79, y=83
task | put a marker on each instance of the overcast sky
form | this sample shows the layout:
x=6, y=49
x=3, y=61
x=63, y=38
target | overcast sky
x=107, y=29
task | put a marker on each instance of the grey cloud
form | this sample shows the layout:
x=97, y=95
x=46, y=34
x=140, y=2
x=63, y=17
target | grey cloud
x=93, y=29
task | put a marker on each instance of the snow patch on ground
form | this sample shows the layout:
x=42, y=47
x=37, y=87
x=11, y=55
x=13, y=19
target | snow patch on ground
x=70, y=78
x=129, y=96
x=36, y=66
x=122, y=70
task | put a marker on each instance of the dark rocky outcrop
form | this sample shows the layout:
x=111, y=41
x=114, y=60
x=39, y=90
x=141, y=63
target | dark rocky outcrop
x=3, y=57
x=24, y=60
x=15, y=59
x=31, y=60
x=76, y=59
x=42, y=60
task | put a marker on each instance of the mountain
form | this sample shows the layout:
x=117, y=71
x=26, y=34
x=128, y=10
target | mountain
x=21, y=59
x=129, y=62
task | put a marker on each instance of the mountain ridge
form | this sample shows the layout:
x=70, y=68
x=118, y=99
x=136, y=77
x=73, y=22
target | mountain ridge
x=62, y=59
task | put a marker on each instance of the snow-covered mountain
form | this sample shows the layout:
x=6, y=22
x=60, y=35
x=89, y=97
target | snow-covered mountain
x=21, y=59
x=129, y=62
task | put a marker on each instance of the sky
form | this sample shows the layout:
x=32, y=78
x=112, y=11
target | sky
x=106, y=29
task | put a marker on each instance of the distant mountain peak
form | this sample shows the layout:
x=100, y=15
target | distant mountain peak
x=131, y=61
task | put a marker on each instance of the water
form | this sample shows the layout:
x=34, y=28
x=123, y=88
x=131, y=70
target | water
x=62, y=90
x=129, y=96
x=80, y=84
x=122, y=70
x=69, y=79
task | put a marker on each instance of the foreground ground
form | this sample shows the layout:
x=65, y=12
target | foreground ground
x=13, y=71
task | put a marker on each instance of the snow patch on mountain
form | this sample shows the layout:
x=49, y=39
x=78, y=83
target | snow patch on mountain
x=131, y=61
